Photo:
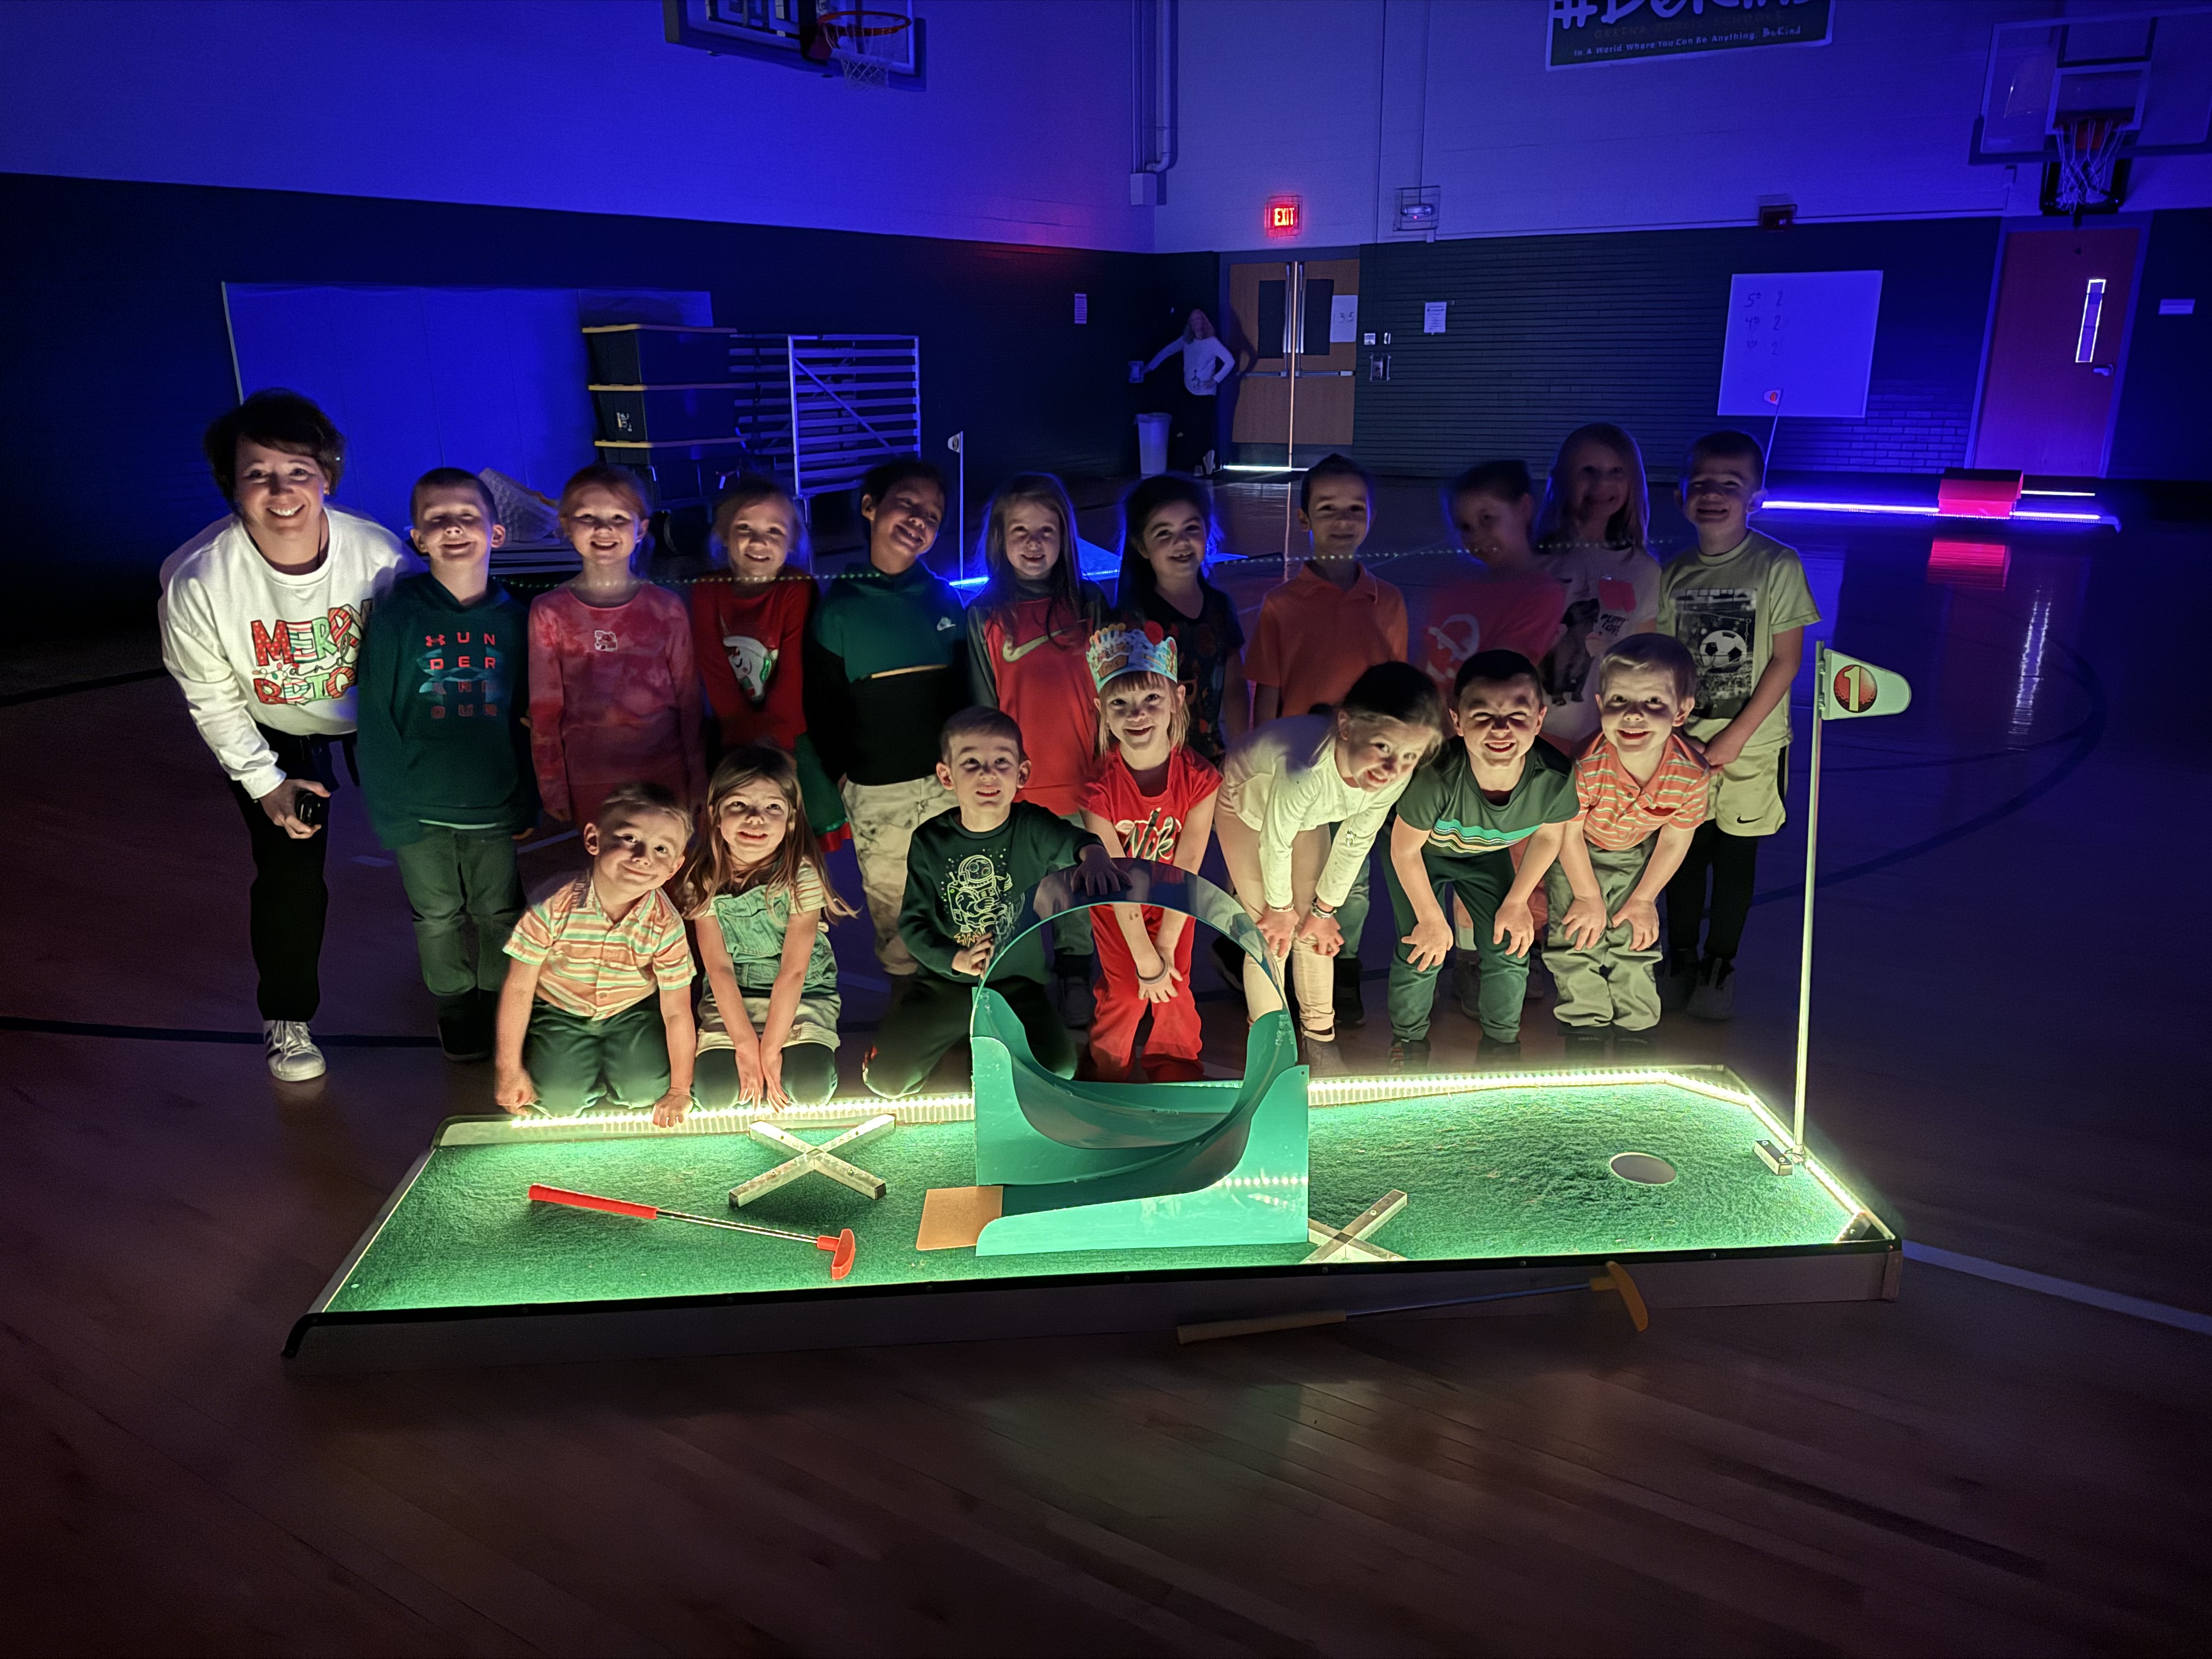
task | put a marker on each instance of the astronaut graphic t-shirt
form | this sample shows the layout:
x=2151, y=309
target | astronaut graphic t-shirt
x=1726, y=609
x=962, y=886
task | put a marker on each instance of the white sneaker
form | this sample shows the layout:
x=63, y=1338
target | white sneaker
x=290, y=1051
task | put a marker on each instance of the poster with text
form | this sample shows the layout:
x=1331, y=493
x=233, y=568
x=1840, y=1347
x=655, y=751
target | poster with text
x=1584, y=32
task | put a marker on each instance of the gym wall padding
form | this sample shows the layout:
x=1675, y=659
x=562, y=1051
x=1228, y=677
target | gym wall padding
x=119, y=354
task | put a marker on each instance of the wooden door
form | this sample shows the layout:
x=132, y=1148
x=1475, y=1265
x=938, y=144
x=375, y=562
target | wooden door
x=1318, y=298
x=2055, y=347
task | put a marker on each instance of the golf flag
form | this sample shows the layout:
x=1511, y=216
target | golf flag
x=1850, y=690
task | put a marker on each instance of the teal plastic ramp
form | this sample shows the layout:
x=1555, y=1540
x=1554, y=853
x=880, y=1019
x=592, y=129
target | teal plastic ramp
x=1159, y=1166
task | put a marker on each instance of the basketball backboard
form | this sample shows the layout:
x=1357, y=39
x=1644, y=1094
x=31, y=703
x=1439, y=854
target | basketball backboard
x=2151, y=69
x=878, y=42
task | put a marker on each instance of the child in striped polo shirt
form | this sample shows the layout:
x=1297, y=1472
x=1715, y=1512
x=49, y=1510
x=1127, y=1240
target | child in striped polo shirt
x=1641, y=787
x=598, y=1003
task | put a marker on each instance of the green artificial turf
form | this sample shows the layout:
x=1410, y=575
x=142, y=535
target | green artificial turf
x=1518, y=1172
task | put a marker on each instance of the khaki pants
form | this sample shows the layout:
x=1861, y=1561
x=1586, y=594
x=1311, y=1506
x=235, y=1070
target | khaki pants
x=1609, y=984
x=1313, y=977
x=883, y=818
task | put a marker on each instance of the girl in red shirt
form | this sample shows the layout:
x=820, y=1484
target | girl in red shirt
x=1151, y=799
x=614, y=693
x=748, y=633
x=1027, y=633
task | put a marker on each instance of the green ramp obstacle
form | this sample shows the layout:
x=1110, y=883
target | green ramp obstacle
x=1088, y=1166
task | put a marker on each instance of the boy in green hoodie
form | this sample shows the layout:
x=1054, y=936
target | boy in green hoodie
x=445, y=759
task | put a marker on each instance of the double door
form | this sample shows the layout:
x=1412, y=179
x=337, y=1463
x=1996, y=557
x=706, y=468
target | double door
x=1294, y=327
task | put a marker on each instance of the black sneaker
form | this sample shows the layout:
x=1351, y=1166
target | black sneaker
x=1071, y=991
x=1585, y=1044
x=1324, y=1058
x=464, y=1029
x=1713, y=996
x=1489, y=1048
x=1676, y=976
x=1467, y=983
x=1349, y=1011
x=1410, y=1055
x=1635, y=1048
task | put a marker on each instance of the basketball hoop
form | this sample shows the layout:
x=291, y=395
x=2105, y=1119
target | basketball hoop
x=2088, y=157
x=867, y=43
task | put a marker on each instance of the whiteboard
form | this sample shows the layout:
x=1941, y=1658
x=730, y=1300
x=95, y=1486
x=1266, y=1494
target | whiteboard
x=1800, y=343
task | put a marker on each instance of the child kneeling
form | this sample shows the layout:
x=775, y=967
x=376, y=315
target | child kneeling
x=1457, y=823
x=768, y=1024
x=598, y=1003
x=1151, y=799
x=1642, y=789
x=963, y=869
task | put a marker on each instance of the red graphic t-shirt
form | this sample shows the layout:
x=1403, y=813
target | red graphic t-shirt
x=614, y=699
x=748, y=637
x=1150, y=826
x=1485, y=612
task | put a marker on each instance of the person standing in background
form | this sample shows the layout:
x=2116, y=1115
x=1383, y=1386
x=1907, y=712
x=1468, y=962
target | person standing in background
x=1206, y=364
x=261, y=617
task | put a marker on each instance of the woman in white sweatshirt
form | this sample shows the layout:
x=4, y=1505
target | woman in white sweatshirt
x=261, y=616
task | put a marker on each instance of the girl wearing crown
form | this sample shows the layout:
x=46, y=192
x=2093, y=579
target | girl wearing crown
x=1150, y=799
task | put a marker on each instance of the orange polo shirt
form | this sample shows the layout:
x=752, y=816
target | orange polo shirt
x=1315, y=638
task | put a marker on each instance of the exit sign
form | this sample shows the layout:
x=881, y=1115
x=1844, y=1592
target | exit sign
x=1284, y=215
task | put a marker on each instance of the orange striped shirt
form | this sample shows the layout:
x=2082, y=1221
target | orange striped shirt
x=592, y=966
x=1618, y=812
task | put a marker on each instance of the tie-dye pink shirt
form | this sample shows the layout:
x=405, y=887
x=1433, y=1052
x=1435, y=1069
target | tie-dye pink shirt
x=614, y=699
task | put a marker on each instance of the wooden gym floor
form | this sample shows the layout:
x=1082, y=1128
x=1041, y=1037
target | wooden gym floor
x=1976, y=1469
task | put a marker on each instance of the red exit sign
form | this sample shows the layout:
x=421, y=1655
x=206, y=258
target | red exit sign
x=1284, y=213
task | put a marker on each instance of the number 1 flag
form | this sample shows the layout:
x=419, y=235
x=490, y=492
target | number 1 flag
x=1848, y=690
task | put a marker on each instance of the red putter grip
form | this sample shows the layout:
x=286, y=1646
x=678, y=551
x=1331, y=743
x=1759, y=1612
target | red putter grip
x=841, y=1249
x=590, y=1201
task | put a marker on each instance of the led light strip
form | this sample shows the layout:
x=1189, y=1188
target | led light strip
x=1914, y=510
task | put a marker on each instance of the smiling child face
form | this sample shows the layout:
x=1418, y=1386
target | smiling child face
x=1337, y=515
x=1638, y=707
x=759, y=538
x=984, y=771
x=603, y=528
x=1174, y=541
x=1032, y=539
x=752, y=820
x=1139, y=710
x=632, y=853
x=452, y=530
x=902, y=526
x=1374, y=754
x=1498, y=721
x=1717, y=498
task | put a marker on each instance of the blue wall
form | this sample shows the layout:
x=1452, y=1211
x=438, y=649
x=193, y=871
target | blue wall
x=2165, y=426
x=120, y=356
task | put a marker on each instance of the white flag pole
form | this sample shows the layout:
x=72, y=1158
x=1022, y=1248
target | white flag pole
x=958, y=443
x=1812, y=868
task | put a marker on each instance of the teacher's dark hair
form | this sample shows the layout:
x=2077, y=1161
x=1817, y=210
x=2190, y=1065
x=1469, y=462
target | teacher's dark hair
x=275, y=419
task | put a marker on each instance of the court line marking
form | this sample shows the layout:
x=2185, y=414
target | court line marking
x=2134, y=1307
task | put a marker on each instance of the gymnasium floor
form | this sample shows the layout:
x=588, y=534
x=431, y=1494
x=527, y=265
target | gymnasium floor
x=1978, y=1468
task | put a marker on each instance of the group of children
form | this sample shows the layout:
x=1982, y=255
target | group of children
x=1575, y=731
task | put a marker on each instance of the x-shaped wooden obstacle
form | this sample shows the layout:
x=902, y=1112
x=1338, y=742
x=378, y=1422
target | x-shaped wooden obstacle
x=1350, y=1243
x=809, y=1159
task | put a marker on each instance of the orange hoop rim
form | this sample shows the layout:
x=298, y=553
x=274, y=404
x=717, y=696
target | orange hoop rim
x=851, y=24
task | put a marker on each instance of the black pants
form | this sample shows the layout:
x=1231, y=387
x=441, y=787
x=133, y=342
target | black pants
x=933, y=1017
x=288, y=902
x=1191, y=434
x=1732, y=862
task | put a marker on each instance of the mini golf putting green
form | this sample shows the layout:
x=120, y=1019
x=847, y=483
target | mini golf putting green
x=1509, y=1172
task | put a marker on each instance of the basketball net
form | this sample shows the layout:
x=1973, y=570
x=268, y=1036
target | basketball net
x=2088, y=151
x=866, y=43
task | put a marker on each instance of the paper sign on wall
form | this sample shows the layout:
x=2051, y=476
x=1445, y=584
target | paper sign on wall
x=1432, y=316
x=1343, y=318
x=1800, y=343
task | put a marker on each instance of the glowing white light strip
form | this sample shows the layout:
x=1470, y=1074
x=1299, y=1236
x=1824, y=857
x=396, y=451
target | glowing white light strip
x=2084, y=495
x=2060, y=518
x=2093, y=313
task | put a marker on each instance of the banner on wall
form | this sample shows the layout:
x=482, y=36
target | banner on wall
x=1583, y=32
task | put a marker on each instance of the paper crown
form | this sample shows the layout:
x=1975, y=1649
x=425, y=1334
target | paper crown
x=1122, y=649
